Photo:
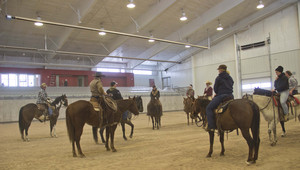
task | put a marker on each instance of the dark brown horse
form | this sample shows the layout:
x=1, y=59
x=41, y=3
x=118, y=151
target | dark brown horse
x=188, y=108
x=81, y=112
x=154, y=109
x=126, y=119
x=30, y=111
x=239, y=113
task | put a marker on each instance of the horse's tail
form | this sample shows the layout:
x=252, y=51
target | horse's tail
x=21, y=121
x=255, y=122
x=70, y=126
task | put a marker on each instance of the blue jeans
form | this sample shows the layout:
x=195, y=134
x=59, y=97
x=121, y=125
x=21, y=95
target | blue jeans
x=210, y=110
x=283, y=98
x=125, y=115
x=50, y=111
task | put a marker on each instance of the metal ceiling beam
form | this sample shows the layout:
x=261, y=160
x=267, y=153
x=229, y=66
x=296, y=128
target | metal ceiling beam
x=98, y=30
x=142, y=21
x=69, y=53
x=190, y=28
x=238, y=27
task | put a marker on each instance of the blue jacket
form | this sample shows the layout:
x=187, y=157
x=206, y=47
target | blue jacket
x=223, y=84
x=282, y=83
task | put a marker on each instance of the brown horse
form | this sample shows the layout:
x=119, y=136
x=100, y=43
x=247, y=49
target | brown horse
x=81, y=112
x=239, y=113
x=126, y=119
x=30, y=111
x=199, y=107
x=188, y=108
x=154, y=109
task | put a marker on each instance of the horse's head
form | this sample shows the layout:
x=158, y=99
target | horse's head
x=200, y=105
x=64, y=99
x=133, y=108
x=139, y=103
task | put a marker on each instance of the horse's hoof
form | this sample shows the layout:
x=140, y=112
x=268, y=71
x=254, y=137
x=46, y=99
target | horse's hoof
x=273, y=143
x=82, y=156
x=107, y=149
x=250, y=162
x=74, y=155
x=222, y=154
x=130, y=136
x=113, y=150
x=125, y=138
x=208, y=155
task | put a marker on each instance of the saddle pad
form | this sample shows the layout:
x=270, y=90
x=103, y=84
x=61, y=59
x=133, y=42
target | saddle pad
x=296, y=99
x=95, y=105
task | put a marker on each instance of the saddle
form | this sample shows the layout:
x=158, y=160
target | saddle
x=224, y=105
x=108, y=101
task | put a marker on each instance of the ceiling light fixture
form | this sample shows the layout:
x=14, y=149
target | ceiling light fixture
x=39, y=24
x=187, y=46
x=102, y=33
x=131, y=4
x=219, y=28
x=260, y=5
x=183, y=17
x=151, y=40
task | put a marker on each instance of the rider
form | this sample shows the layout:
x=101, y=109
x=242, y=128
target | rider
x=208, y=91
x=190, y=92
x=114, y=92
x=223, y=88
x=155, y=93
x=282, y=87
x=293, y=83
x=97, y=92
x=42, y=103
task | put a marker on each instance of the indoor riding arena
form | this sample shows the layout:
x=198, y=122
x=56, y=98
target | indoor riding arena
x=171, y=84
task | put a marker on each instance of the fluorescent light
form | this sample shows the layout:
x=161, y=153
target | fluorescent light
x=102, y=33
x=39, y=24
x=183, y=17
x=131, y=4
x=151, y=40
x=187, y=46
x=220, y=28
x=260, y=5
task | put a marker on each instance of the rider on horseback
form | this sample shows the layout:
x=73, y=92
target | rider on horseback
x=97, y=93
x=190, y=92
x=43, y=102
x=223, y=88
x=282, y=87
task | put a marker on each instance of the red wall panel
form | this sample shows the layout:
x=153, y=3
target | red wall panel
x=47, y=75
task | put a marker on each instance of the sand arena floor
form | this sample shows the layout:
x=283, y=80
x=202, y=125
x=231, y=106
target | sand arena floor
x=175, y=146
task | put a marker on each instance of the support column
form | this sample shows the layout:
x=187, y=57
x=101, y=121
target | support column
x=238, y=68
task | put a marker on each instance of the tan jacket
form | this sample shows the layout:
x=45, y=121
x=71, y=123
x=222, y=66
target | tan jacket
x=96, y=87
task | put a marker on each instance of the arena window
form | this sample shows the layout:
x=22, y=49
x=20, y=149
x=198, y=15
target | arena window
x=142, y=72
x=19, y=80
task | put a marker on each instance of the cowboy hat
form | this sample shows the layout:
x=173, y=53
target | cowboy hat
x=208, y=82
x=99, y=74
x=43, y=85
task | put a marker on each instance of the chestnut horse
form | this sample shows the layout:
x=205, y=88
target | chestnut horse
x=30, y=111
x=239, y=113
x=188, y=108
x=126, y=119
x=154, y=110
x=81, y=112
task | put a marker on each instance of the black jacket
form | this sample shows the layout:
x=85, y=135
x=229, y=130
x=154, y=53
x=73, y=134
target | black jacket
x=114, y=93
x=223, y=84
x=155, y=94
x=282, y=83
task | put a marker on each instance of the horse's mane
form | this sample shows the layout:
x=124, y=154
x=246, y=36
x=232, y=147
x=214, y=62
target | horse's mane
x=263, y=92
x=202, y=101
x=58, y=99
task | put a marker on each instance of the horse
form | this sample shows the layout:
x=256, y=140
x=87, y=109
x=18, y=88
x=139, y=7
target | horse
x=199, y=107
x=238, y=113
x=270, y=112
x=188, y=108
x=30, y=111
x=81, y=112
x=154, y=110
x=126, y=119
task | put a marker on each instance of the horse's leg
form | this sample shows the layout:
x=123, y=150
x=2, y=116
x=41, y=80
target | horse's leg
x=187, y=117
x=73, y=149
x=283, y=129
x=157, y=121
x=95, y=136
x=26, y=132
x=78, y=133
x=192, y=119
x=112, y=137
x=222, y=143
x=250, y=142
x=272, y=127
x=211, y=142
x=107, y=131
x=132, y=127
x=51, y=127
x=123, y=130
x=101, y=134
x=152, y=122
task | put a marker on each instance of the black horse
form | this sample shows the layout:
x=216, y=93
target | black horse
x=30, y=111
x=126, y=119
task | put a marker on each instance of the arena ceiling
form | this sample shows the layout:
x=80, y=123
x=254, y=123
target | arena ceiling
x=24, y=44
